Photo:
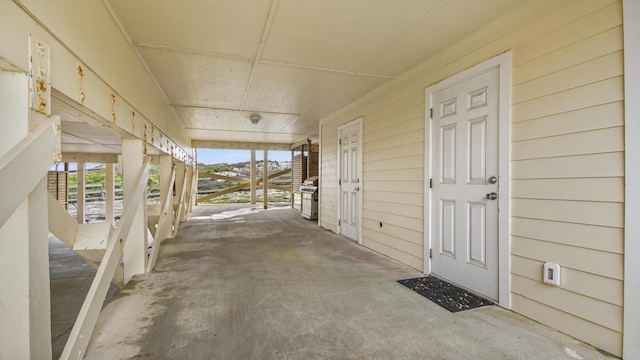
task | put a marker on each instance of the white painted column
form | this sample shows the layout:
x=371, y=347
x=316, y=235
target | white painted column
x=185, y=203
x=81, y=175
x=631, y=330
x=265, y=179
x=135, y=248
x=25, y=310
x=110, y=183
x=253, y=177
x=180, y=171
x=166, y=191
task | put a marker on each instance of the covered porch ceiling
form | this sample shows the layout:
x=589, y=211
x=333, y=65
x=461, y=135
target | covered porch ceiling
x=292, y=62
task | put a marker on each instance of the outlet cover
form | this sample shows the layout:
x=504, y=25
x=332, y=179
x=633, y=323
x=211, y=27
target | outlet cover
x=551, y=274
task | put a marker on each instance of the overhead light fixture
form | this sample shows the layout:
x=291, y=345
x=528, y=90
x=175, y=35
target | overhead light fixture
x=255, y=118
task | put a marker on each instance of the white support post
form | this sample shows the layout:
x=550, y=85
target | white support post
x=81, y=192
x=631, y=331
x=135, y=248
x=184, y=215
x=180, y=171
x=25, y=310
x=253, y=176
x=265, y=179
x=111, y=193
x=165, y=173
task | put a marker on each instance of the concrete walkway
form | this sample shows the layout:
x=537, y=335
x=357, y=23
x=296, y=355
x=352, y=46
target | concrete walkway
x=267, y=284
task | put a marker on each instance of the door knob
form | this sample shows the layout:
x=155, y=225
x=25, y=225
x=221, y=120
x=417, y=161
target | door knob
x=492, y=180
x=357, y=188
x=491, y=196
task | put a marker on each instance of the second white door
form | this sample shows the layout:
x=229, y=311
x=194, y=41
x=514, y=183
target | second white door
x=349, y=183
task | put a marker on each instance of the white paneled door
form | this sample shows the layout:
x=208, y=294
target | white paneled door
x=465, y=183
x=349, y=184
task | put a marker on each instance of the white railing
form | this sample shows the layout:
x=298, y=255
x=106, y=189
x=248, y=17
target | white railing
x=88, y=316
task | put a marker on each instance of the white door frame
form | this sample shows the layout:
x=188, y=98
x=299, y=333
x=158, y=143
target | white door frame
x=503, y=63
x=631, y=29
x=359, y=122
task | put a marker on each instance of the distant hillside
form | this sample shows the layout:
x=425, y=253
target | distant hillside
x=243, y=169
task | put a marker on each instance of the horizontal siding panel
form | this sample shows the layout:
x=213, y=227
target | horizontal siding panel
x=601, y=92
x=390, y=175
x=397, y=126
x=590, y=261
x=408, y=259
x=394, y=197
x=596, y=22
x=594, y=286
x=395, y=232
x=595, y=165
x=402, y=186
x=605, y=67
x=398, y=151
x=416, y=224
x=399, y=209
x=599, y=238
x=395, y=140
x=379, y=116
x=590, y=142
x=590, y=48
x=584, y=307
x=581, y=212
x=594, y=334
x=407, y=162
x=587, y=119
x=583, y=189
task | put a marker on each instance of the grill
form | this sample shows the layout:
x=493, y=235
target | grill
x=309, y=190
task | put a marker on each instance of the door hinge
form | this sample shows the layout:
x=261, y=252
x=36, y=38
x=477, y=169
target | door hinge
x=339, y=181
x=340, y=142
x=430, y=183
x=431, y=113
x=430, y=253
x=338, y=222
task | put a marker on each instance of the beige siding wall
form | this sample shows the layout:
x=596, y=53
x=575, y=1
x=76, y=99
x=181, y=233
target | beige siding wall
x=567, y=160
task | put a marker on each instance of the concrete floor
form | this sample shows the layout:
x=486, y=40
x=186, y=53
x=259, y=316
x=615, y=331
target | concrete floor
x=254, y=284
x=70, y=278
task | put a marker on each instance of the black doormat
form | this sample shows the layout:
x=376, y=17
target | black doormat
x=445, y=294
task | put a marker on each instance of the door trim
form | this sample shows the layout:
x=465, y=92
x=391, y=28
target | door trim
x=503, y=63
x=359, y=122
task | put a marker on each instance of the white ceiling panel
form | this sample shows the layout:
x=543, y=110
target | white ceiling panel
x=214, y=119
x=338, y=34
x=227, y=27
x=288, y=89
x=292, y=61
x=193, y=79
x=439, y=33
x=245, y=136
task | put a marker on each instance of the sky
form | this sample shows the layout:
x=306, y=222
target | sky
x=216, y=156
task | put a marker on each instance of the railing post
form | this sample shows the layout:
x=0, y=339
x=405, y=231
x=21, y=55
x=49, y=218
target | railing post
x=135, y=248
x=111, y=191
x=81, y=192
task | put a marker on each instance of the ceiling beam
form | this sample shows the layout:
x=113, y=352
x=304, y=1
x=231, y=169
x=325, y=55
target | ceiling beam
x=239, y=145
x=90, y=158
